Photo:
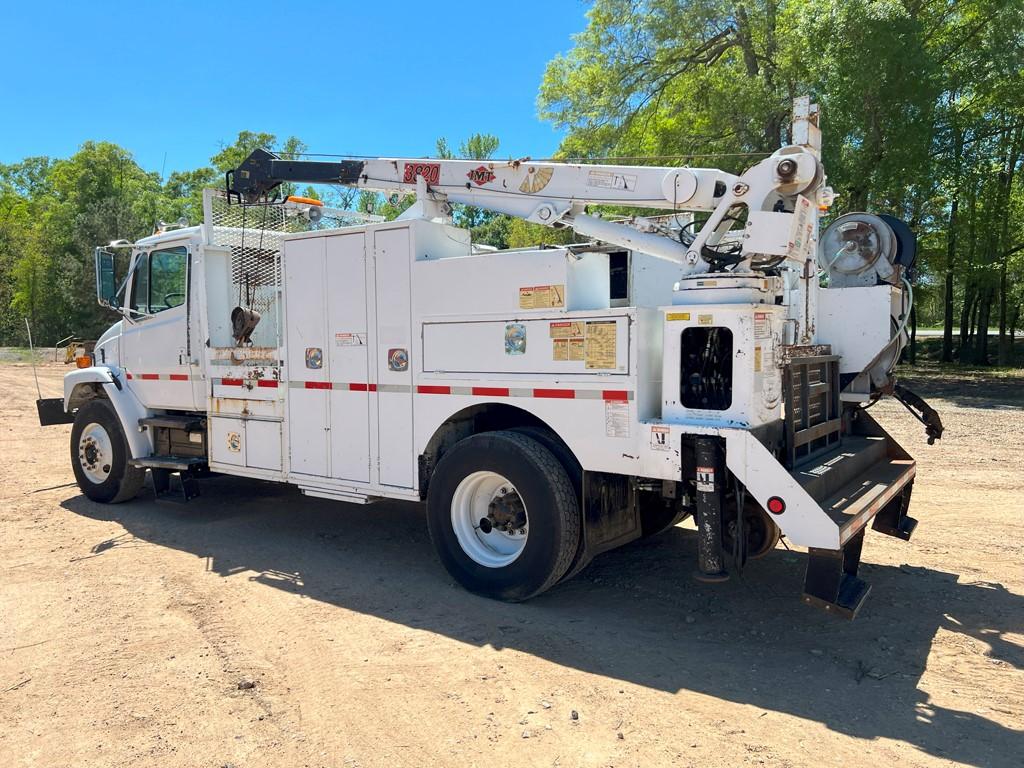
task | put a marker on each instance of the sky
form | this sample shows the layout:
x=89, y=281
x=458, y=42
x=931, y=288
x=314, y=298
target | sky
x=174, y=81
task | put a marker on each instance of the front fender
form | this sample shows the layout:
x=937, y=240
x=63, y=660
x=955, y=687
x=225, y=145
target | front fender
x=86, y=383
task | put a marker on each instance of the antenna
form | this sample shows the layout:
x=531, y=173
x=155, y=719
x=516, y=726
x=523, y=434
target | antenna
x=32, y=358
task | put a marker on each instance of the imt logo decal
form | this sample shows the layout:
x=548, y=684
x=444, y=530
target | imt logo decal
x=481, y=175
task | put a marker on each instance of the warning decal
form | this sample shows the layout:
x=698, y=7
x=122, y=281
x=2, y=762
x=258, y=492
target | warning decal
x=567, y=340
x=802, y=232
x=599, y=345
x=576, y=349
x=566, y=329
x=616, y=418
x=757, y=359
x=659, y=438
x=542, y=297
x=762, y=327
x=706, y=479
x=611, y=180
x=345, y=339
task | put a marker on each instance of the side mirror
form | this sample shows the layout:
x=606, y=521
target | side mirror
x=106, y=280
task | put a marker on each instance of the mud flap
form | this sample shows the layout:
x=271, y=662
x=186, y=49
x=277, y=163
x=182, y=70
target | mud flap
x=610, y=517
x=51, y=411
x=831, y=581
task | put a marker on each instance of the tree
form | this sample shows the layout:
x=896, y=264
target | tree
x=921, y=104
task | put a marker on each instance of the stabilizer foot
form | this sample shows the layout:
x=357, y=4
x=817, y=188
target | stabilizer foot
x=831, y=581
x=893, y=519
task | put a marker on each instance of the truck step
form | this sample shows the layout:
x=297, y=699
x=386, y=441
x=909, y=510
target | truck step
x=825, y=475
x=172, y=421
x=171, y=463
x=164, y=469
x=853, y=505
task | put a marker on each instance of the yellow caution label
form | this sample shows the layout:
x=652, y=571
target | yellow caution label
x=599, y=345
x=674, y=316
x=565, y=329
x=576, y=347
x=542, y=297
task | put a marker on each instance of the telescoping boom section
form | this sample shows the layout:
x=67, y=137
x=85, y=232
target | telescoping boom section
x=713, y=360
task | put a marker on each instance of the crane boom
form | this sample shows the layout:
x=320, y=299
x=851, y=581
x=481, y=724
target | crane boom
x=557, y=194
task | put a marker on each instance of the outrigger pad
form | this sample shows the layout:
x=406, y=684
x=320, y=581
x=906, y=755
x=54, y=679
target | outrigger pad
x=831, y=581
x=893, y=520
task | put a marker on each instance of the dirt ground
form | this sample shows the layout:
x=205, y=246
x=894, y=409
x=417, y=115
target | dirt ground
x=125, y=631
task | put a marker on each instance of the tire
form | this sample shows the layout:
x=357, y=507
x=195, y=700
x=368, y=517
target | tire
x=763, y=533
x=575, y=471
x=485, y=467
x=560, y=452
x=99, y=455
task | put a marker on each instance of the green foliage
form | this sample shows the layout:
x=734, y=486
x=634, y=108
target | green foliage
x=53, y=213
x=922, y=109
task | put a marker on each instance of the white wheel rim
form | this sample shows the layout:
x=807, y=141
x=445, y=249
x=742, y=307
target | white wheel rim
x=95, y=453
x=484, y=496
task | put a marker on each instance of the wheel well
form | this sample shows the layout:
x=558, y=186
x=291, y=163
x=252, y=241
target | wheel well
x=83, y=393
x=485, y=417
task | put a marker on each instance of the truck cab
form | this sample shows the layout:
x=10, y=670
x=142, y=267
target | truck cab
x=161, y=311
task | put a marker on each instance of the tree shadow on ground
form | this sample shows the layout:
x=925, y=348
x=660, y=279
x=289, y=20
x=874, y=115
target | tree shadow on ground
x=634, y=615
x=970, y=388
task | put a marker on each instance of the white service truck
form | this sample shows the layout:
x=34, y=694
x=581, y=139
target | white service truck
x=547, y=404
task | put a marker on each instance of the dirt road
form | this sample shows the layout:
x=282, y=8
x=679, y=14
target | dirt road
x=125, y=631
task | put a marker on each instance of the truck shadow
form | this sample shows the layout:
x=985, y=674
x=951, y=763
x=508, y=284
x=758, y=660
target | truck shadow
x=634, y=615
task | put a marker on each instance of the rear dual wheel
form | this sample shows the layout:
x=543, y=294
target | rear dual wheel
x=762, y=534
x=503, y=515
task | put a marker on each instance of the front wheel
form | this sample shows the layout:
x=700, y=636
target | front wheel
x=503, y=515
x=99, y=455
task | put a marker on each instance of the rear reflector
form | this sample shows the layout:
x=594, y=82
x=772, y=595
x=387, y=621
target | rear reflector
x=776, y=505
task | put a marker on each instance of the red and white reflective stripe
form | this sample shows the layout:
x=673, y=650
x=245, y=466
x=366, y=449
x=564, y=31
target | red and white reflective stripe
x=544, y=393
x=613, y=395
x=262, y=383
x=159, y=376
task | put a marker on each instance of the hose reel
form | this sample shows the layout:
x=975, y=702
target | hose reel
x=860, y=249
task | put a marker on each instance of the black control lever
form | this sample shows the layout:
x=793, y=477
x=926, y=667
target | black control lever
x=921, y=411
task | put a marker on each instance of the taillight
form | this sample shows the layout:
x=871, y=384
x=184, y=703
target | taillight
x=776, y=505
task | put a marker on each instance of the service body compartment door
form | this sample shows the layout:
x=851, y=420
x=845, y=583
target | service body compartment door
x=392, y=262
x=348, y=357
x=309, y=385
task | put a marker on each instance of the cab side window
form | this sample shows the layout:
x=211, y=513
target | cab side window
x=167, y=278
x=160, y=280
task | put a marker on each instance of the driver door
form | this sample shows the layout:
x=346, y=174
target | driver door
x=155, y=344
